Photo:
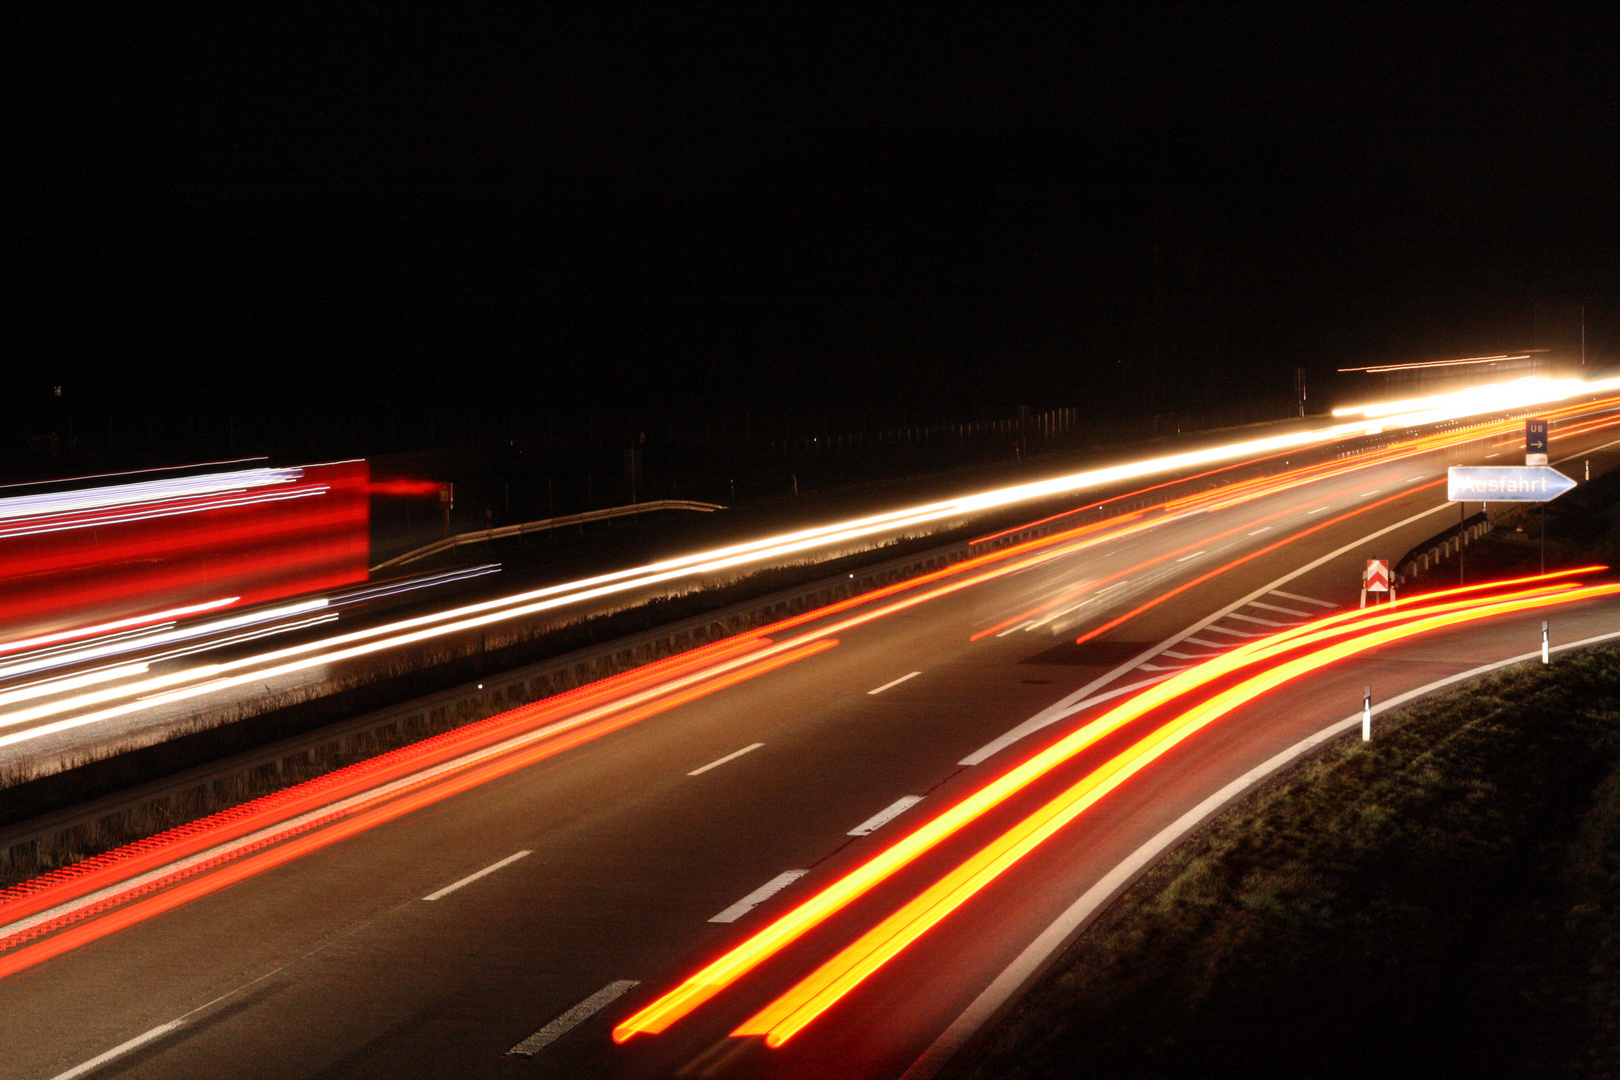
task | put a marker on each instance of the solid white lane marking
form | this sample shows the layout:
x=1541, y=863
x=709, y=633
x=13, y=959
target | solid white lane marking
x=1262, y=529
x=1302, y=599
x=1318, y=510
x=1231, y=632
x=721, y=761
x=759, y=896
x=120, y=1050
x=1194, y=555
x=886, y=815
x=470, y=878
x=897, y=682
x=1041, y=719
x=1279, y=607
x=1256, y=619
x=1034, y=957
x=571, y=1019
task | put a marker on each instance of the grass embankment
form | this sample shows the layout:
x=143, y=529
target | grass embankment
x=1444, y=901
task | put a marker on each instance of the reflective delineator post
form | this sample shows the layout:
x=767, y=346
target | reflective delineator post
x=1544, y=651
x=1366, y=715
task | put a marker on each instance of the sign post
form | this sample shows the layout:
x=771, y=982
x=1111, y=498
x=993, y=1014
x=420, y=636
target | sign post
x=1535, y=453
x=1375, y=578
x=447, y=502
x=1535, y=442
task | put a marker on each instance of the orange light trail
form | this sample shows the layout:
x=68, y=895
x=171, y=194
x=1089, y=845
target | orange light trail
x=99, y=871
x=77, y=929
x=1137, y=493
x=744, y=957
x=1240, y=560
x=834, y=979
x=1400, y=450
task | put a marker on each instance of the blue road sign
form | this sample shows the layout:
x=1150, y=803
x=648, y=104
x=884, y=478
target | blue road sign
x=1535, y=442
x=1505, y=483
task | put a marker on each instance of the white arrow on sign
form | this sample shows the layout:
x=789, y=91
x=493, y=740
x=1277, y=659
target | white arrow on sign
x=1505, y=483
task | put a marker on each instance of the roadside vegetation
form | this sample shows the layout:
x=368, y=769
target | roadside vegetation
x=1444, y=901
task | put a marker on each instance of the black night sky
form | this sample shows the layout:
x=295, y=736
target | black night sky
x=552, y=212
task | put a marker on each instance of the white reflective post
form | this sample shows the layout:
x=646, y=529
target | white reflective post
x=1366, y=715
x=1544, y=650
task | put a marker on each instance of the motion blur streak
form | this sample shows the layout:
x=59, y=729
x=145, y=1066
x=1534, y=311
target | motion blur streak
x=1125, y=497
x=218, y=676
x=176, y=687
x=1491, y=397
x=114, y=627
x=597, y=698
x=744, y=957
x=820, y=990
x=72, y=562
x=78, y=928
x=1241, y=559
x=1167, y=556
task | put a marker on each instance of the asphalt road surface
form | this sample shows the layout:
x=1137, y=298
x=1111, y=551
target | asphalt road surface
x=609, y=865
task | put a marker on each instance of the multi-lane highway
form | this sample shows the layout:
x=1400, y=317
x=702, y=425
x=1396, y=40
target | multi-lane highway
x=756, y=862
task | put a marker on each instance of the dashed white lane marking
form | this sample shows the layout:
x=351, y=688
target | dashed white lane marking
x=1052, y=715
x=1489, y=456
x=1278, y=607
x=1302, y=599
x=759, y=896
x=1263, y=529
x=886, y=815
x=715, y=764
x=1194, y=555
x=470, y=878
x=574, y=1017
x=1014, y=629
x=1370, y=494
x=1208, y=644
x=896, y=682
x=1162, y=667
x=119, y=1051
x=1238, y=615
x=1318, y=510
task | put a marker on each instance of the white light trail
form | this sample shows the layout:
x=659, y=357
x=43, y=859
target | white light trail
x=170, y=688
x=145, y=491
x=22, y=644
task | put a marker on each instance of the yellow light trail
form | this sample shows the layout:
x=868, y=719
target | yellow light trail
x=767, y=942
x=837, y=977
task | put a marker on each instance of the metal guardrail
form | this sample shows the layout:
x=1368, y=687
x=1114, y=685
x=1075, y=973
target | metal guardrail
x=1439, y=547
x=544, y=524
